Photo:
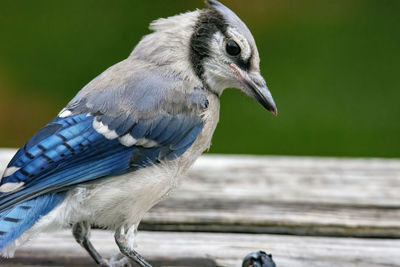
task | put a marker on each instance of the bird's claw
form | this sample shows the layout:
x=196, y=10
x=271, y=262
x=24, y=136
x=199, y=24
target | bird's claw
x=117, y=260
x=104, y=263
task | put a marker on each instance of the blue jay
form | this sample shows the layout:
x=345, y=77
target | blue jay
x=124, y=140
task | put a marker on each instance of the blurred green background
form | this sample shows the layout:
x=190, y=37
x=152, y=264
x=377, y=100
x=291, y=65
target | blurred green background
x=332, y=66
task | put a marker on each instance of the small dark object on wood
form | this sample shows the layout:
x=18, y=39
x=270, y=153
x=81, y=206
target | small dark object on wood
x=258, y=259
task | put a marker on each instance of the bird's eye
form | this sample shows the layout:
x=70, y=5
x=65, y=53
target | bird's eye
x=232, y=48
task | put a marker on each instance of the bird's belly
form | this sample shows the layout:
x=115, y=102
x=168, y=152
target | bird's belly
x=122, y=199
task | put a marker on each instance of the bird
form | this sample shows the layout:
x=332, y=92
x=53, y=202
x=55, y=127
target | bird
x=124, y=141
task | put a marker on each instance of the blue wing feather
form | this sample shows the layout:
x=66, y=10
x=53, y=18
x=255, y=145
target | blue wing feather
x=15, y=221
x=140, y=129
x=70, y=151
x=159, y=127
x=188, y=139
x=173, y=154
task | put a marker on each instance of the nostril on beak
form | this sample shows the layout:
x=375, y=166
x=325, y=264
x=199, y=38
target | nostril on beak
x=260, y=83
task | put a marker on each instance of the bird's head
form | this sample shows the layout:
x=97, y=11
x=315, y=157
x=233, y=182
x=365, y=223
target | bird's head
x=215, y=44
x=224, y=54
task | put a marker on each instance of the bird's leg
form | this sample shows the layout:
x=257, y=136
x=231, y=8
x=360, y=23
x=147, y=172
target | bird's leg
x=122, y=239
x=81, y=232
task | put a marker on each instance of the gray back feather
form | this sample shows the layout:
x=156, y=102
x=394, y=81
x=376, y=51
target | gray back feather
x=139, y=91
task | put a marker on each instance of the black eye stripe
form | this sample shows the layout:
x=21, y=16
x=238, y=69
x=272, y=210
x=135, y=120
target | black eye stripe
x=243, y=64
x=210, y=21
x=232, y=48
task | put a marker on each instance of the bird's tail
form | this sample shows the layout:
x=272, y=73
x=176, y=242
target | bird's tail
x=16, y=220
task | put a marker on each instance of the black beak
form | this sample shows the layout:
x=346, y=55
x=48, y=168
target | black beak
x=255, y=86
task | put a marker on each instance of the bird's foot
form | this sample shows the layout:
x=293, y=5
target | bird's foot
x=117, y=260
x=122, y=238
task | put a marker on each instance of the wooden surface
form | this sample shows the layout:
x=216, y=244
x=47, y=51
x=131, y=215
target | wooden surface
x=215, y=249
x=307, y=196
x=241, y=203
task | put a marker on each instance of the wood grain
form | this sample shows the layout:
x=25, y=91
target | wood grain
x=287, y=195
x=214, y=249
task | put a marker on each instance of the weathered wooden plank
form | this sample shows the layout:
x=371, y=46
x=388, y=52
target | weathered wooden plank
x=295, y=195
x=367, y=182
x=214, y=249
